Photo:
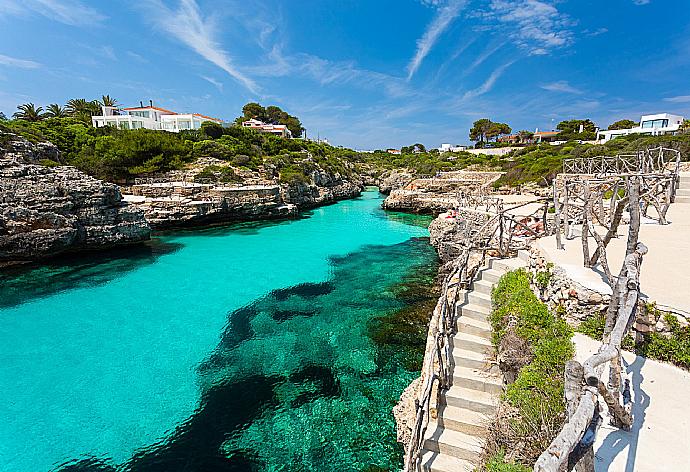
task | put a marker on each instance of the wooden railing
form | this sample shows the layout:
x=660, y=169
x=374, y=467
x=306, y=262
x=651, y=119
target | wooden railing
x=653, y=160
x=583, y=383
x=599, y=196
x=502, y=233
x=437, y=372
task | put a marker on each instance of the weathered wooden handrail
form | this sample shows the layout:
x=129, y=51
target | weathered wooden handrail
x=624, y=302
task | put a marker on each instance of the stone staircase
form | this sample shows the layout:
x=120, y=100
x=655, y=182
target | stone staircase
x=683, y=192
x=455, y=441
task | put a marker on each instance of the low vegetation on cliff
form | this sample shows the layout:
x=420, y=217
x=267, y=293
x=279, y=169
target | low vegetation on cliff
x=533, y=344
x=671, y=345
x=119, y=155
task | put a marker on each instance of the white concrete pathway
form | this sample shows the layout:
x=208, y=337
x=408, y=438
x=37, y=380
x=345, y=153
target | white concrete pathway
x=660, y=438
x=665, y=274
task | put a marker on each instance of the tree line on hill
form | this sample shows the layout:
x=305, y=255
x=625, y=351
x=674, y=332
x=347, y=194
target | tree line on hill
x=120, y=155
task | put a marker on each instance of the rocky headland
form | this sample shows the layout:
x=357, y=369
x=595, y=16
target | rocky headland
x=433, y=195
x=47, y=211
x=196, y=196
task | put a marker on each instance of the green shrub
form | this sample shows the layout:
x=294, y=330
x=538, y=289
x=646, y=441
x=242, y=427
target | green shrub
x=674, y=348
x=48, y=163
x=537, y=393
x=293, y=175
x=218, y=174
x=497, y=463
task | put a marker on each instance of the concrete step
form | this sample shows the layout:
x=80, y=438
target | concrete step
x=468, y=325
x=481, y=299
x=477, y=379
x=482, y=286
x=469, y=399
x=454, y=444
x=524, y=256
x=471, y=310
x=682, y=200
x=471, y=359
x=492, y=275
x=472, y=343
x=683, y=192
x=463, y=420
x=435, y=462
x=507, y=264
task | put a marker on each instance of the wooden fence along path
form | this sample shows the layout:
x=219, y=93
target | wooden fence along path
x=592, y=194
x=632, y=183
x=486, y=227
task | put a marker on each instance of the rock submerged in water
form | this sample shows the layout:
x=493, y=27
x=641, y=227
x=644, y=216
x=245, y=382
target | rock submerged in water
x=47, y=211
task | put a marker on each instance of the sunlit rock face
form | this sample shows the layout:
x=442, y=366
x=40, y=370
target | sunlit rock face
x=46, y=211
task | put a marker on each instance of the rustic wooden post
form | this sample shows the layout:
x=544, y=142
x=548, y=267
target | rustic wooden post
x=564, y=209
x=634, y=206
x=557, y=216
x=585, y=224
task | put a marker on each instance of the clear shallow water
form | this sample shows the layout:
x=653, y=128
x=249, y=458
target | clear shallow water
x=241, y=348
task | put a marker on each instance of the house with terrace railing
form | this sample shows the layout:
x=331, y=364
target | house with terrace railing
x=149, y=117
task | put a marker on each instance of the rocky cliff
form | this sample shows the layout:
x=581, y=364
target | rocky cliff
x=324, y=188
x=47, y=211
x=180, y=198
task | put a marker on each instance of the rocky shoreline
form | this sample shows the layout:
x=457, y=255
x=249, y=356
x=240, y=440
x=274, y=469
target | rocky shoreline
x=47, y=211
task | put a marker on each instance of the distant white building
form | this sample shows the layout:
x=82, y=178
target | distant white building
x=279, y=130
x=445, y=147
x=654, y=125
x=150, y=117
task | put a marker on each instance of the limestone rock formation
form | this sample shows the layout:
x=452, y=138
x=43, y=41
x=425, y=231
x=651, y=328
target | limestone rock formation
x=179, y=200
x=47, y=211
x=394, y=180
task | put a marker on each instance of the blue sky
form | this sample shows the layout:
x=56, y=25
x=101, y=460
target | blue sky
x=365, y=74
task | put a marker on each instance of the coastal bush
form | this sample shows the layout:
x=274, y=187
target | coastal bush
x=293, y=175
x=217, y=174
x=673, y=347
x=498, y=463
x=536, y=396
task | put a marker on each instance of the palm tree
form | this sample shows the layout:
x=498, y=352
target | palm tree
x=108, y=101
x=82, y=109
x=55, y=111
x=78, y=106
x=29, y=112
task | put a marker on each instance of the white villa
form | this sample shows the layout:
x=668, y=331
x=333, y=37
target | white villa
x=279, y=130
x=150, y=117
x=446, y=147
x=655, y=125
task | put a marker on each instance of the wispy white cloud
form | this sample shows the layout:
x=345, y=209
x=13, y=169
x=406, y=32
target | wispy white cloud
x=489, y=51
x=20, y=63
x=70, y=12
x=561, y=86
x=678, y=99
x=536, y=26
x=642, y=2
x=488, y=83
x=187, y=24
x=216, y=83
x=137, y=57
x=326, y=72
x=445, y=15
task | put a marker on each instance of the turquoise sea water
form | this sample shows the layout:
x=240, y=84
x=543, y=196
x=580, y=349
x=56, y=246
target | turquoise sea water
x=246, y=347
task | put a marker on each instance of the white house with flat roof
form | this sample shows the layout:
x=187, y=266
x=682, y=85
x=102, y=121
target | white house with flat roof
x=150, y=117
x=447, y=147
x=654, y=125
x=258, y=125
